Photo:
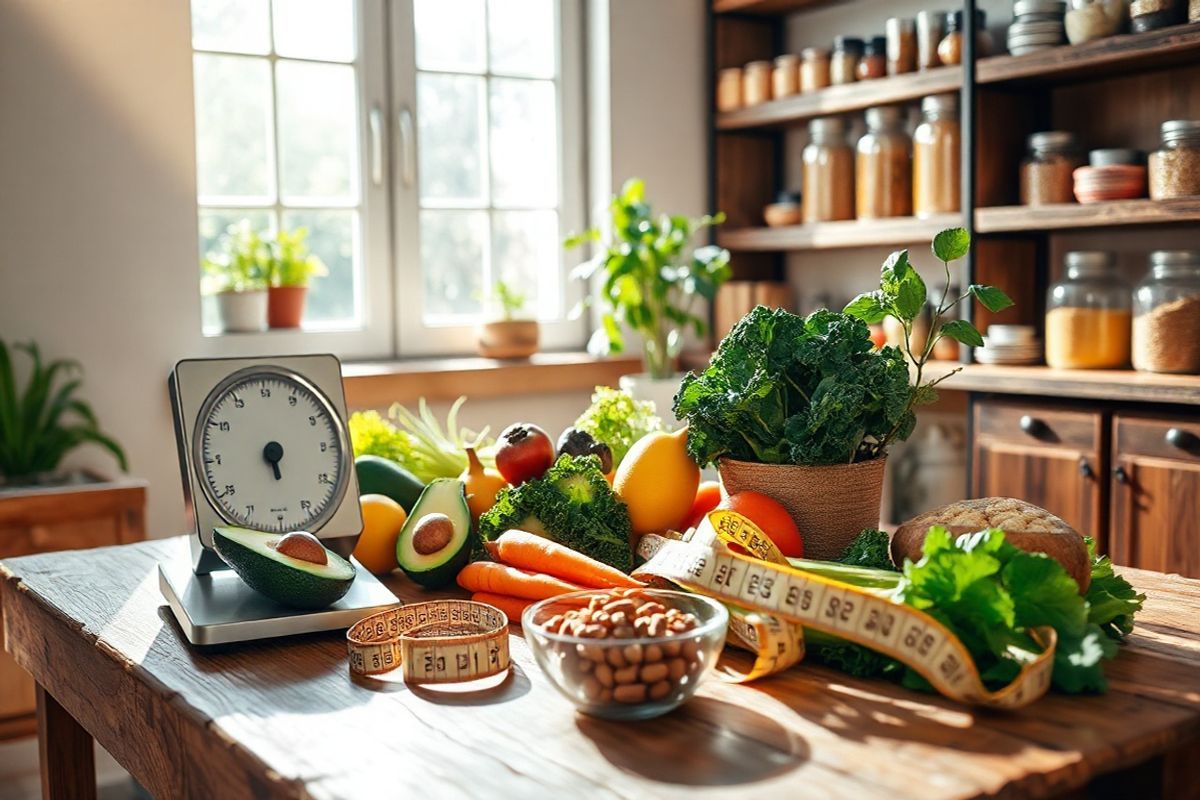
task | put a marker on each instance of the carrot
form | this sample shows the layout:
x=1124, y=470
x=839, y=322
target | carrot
x=513, y=607
x=488, y=576
x=493, y=550
x=537, y=553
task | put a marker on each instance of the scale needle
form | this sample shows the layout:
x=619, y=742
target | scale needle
x=272, y=453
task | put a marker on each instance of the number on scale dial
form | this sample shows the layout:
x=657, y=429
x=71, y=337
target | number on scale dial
x=270, y=454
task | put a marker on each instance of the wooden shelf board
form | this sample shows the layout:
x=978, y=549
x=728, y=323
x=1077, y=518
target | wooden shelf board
x=1100, y=58
x=1119, y=385
x=1001, y=219
x=841, y=99
x=765, y=7
x=836, y=235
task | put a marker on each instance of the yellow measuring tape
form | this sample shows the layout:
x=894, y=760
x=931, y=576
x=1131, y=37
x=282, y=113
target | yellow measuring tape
x=772, y=602
x=441, y=641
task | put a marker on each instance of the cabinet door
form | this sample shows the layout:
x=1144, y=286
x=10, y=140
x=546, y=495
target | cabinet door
x=1156, y=493
x=1049, y=456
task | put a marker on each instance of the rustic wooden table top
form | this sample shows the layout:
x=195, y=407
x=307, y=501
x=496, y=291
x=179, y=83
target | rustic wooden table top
x=284, y=719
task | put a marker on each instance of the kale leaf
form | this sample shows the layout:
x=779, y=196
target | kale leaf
x=871, y=548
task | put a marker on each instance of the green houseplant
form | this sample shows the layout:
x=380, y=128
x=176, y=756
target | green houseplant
x=507, y=332
x=292, y=268
x=650, y=278
x=236, y=274
x=805, y=409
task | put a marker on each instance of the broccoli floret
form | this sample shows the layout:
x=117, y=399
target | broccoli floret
x=571, y=504
x=871, y=548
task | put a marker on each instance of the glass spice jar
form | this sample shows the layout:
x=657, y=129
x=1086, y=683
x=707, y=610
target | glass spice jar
x=828, y=162
x=950, y=49
x=1150, y=15
x=843, y=64
x=814, y=69
x=1174, y=169
x=883, y=166
x=1166, y=314
x=756, y=83
x=1088, y=314
x=1193, y=10
x=937, y=162
x=729, y=89
x=785, y=76
x=1047, y=173
x=873, y=63
x=901, y=45
x=931, y=27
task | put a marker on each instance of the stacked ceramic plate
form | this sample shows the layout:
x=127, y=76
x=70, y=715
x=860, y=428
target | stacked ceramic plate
x=1010, y=344
x=1113, y=174
x=1037, y=25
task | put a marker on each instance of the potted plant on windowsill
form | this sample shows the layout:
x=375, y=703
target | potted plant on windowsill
x=292, y=268
x=236, y=275
x=509, y=335
x=804, y=409
x=650, y=279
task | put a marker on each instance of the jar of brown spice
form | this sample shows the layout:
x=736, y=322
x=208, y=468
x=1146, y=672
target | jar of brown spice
x=814, y=69
x=883, y=167
x=1166, y=314
x=843, y=64
x=828, y=160
x=1047, y=173
x=1175, y=167
x=873, y=63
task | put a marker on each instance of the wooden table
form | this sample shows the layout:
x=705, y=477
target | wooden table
x=284, y=719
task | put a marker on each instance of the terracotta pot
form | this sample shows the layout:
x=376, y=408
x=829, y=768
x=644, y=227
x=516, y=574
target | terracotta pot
x=285, y=306
x=242, y=312
x=830, y=504
x=510, y=338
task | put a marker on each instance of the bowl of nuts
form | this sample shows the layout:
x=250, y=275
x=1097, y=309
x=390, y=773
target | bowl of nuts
x=626, y=653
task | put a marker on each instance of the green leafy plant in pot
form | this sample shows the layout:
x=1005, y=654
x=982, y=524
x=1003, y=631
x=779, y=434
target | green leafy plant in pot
x=650, y=278
x=45, y=420
x=508, y=332
x=292, y=269
x=803, y=409
x=236, y=274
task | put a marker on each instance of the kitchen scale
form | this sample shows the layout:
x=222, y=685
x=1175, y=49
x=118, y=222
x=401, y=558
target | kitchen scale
x=263, y=444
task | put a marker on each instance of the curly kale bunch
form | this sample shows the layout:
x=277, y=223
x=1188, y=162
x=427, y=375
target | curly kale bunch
x=785, y=389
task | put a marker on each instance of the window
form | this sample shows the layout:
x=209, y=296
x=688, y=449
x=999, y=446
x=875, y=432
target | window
x=467, y=172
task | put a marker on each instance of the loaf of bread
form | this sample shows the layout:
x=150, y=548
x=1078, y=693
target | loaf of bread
x=1025, y=525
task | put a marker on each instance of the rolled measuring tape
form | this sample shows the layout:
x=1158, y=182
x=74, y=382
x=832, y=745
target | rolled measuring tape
x=440, y=641
x=772, y=602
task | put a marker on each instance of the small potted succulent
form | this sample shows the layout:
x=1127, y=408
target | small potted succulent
x=508, y=333
x=236, y=275
x=292, y=268
x=650, y=279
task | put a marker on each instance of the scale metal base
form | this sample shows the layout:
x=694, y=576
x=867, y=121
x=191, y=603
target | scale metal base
x=220, y=608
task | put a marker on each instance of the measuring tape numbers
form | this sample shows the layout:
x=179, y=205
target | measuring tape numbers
x=772, y=602
x=440, y=641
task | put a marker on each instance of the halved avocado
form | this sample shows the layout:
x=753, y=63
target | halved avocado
x=291, y=581
x=435, y=541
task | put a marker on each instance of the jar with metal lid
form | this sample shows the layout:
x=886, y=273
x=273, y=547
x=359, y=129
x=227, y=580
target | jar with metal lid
x=1150, y=15
x=814, y=69
x=937, y=162
x=1088, y=314
x=1047, y=172
x=828, y=162
x=1175, y=167
x=883, y=166
x=756, y=83
x=873, y=63
x=785, y=77
x=1166, y=314
x=901, y=45
x=843, y=64
x=950, y=49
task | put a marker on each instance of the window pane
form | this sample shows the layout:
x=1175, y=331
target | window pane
x=332, y=235
x=233, y=128
x=521, y=37
x=526, y=254
x=450, y=35
x=239, y=26
x=453, y=245
x=320, y=29
x=213, y=222
x=318, y=146
x=450, y=134
x=524, y=143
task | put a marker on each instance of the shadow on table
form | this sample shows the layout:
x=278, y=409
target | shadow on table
x=726, y=745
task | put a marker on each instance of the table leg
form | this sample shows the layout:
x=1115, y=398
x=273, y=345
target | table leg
x=66, y=752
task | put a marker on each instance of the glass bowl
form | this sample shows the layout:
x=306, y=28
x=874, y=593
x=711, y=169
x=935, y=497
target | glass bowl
x=634, y=677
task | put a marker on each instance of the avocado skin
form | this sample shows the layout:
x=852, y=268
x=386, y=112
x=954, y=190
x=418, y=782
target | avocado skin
x=378, y=475
x=278, y=581
x=441, y=496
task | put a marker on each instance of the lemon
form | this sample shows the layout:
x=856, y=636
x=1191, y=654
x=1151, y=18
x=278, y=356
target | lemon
x=657, y=480
x=383, y=518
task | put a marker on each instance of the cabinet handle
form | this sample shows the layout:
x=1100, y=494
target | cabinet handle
x=1034, y=427
x=1120, y=475
x=1085, y=469
x=1184, y=440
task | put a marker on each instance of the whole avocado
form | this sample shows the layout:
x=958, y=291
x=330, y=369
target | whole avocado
x=577, y=442
x=378, y=475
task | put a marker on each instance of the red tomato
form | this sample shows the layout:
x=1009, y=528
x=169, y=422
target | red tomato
x=771, y=517
x=523, y=451
x=707, y=496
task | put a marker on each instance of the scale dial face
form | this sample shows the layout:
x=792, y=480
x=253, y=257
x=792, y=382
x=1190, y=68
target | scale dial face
x=269, y=451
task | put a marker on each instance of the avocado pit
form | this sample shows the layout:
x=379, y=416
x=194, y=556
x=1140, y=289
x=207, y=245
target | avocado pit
x=433, y=533
x=303, y=546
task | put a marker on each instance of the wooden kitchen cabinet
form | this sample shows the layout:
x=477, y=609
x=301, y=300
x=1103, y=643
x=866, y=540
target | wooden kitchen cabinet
x=1156, y=492
x=1052, y=456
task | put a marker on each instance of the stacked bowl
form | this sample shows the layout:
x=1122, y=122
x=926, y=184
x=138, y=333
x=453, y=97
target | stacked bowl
x=1112, y=174
x=1010, y=344
x=1037, y=25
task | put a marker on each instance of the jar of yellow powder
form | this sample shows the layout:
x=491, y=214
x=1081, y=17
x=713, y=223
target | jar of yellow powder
x=1088, y=314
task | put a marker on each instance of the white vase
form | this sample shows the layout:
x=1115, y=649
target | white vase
x=660, y=390
x=242, y=312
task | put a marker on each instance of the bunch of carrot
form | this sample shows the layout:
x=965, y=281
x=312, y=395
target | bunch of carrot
x=528, y=568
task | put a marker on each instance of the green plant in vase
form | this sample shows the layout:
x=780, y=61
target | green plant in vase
x=508, y=333
x=292, y=268
x=237, y=275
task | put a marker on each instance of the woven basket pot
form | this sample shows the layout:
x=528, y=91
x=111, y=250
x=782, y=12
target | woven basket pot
x=830, y=504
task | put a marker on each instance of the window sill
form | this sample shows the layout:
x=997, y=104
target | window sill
x=378, y=384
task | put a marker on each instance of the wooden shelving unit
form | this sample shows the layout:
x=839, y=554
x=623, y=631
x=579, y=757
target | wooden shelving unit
x=1071, y=216
x=765, y=7
x=836, y=235
x=1120, y=385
